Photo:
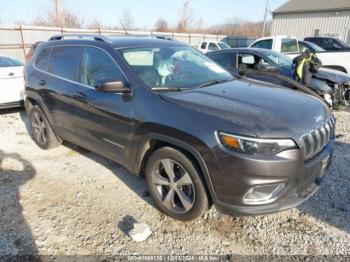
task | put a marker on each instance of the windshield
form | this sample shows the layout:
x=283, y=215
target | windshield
x=223, y=45
x=174, y=67
x=280, y=60
x=341, y=42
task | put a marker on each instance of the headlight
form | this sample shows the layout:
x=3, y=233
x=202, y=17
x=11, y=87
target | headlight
x=255, y=146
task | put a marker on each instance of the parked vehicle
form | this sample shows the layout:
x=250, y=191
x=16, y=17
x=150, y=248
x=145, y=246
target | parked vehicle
x=164, y=110
x=329, y=43
x=11, y=82
x=237, y=41
x=289, y=46
x=305, y=45
x=209, y=46
x=252, y=61
x=32, y=50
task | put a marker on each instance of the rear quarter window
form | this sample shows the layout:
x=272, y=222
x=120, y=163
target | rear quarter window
x=43, y=59
x=64, y=61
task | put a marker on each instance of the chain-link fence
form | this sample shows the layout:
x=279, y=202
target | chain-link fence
x=15, y=41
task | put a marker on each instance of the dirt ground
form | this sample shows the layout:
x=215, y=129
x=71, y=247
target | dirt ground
x=73, y=202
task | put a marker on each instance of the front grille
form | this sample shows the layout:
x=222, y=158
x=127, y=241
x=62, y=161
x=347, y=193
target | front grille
x=317, y=139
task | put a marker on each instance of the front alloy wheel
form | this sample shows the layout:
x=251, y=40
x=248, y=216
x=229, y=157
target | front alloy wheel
x=176, y=184
x=173, y=185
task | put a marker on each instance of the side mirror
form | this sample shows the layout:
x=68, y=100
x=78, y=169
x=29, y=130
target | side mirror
x=118, y=87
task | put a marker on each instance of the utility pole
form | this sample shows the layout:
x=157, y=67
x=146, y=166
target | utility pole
x=265, y=17
x=58, y=11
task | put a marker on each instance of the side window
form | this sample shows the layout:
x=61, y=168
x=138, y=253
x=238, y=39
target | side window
x=204, y=45
x=65, y=61
x=98, y=67
x=224, y=60
x=212, y=47
x=289, y=45
x=247, y=59
x=265, y=44
x=42, y=62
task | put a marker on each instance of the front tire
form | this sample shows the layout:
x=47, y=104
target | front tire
x=41, y=131
x=176, y=184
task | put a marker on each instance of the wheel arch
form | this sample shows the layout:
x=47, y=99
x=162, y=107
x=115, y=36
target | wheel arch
x=153, y=141
x=33, y=99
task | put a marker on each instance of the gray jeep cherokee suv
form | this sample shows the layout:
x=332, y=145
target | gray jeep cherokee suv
x=165, y=111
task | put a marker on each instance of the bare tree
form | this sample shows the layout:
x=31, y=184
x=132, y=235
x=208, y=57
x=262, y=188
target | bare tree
x=66, y=19
x=186, y=17
x=161, y=25
x=95, y=24
x=239, y=27
x=126, y=21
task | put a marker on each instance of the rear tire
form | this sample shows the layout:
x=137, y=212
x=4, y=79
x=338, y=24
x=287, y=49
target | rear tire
x=41, y=131
x=176, y=184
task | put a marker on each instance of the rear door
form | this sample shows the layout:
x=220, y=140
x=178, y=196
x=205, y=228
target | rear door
x=56, y=82
x=11, y=80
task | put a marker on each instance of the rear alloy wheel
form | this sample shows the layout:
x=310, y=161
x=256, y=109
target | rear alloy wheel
x=176, y=185
x=42, y=133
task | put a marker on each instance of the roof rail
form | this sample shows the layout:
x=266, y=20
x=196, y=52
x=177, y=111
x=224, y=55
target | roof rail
x=80, y=36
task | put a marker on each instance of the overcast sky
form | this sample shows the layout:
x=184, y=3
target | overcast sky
x=144, y=12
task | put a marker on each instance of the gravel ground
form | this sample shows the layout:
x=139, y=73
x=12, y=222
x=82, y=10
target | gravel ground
x=73, y=202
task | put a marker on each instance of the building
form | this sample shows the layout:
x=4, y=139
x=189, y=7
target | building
x=302, y=18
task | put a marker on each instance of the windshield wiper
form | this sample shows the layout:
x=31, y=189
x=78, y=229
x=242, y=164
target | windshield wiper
x=212, y=82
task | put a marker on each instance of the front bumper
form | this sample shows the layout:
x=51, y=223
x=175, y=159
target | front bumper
x=301, y=179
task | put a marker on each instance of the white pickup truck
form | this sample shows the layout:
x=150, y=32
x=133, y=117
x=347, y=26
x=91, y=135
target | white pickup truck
x=289, y=45
x=209, y=46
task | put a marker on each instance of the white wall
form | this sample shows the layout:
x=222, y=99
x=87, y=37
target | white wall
x=302, y=25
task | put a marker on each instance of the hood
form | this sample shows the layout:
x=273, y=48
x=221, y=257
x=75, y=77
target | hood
x=265, y=111
x=335, y=76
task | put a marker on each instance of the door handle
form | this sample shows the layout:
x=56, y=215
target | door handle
x=42, y=83
x=11, y=74
x=79, y=96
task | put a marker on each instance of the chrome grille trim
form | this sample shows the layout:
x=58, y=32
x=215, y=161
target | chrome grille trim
x=314, y=141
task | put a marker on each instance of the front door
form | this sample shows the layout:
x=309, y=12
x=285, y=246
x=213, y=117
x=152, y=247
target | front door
x=104, y=121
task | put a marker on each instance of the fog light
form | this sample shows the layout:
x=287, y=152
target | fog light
x=262, y=194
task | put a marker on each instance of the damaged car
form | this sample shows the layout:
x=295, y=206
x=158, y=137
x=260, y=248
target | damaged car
x=168, y=113
x=269, y=66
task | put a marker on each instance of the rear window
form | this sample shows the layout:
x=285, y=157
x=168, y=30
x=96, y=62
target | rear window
x=204, y=45
x=289, y=45
x=42, y=62
x=265, y=44
x=65, y=61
